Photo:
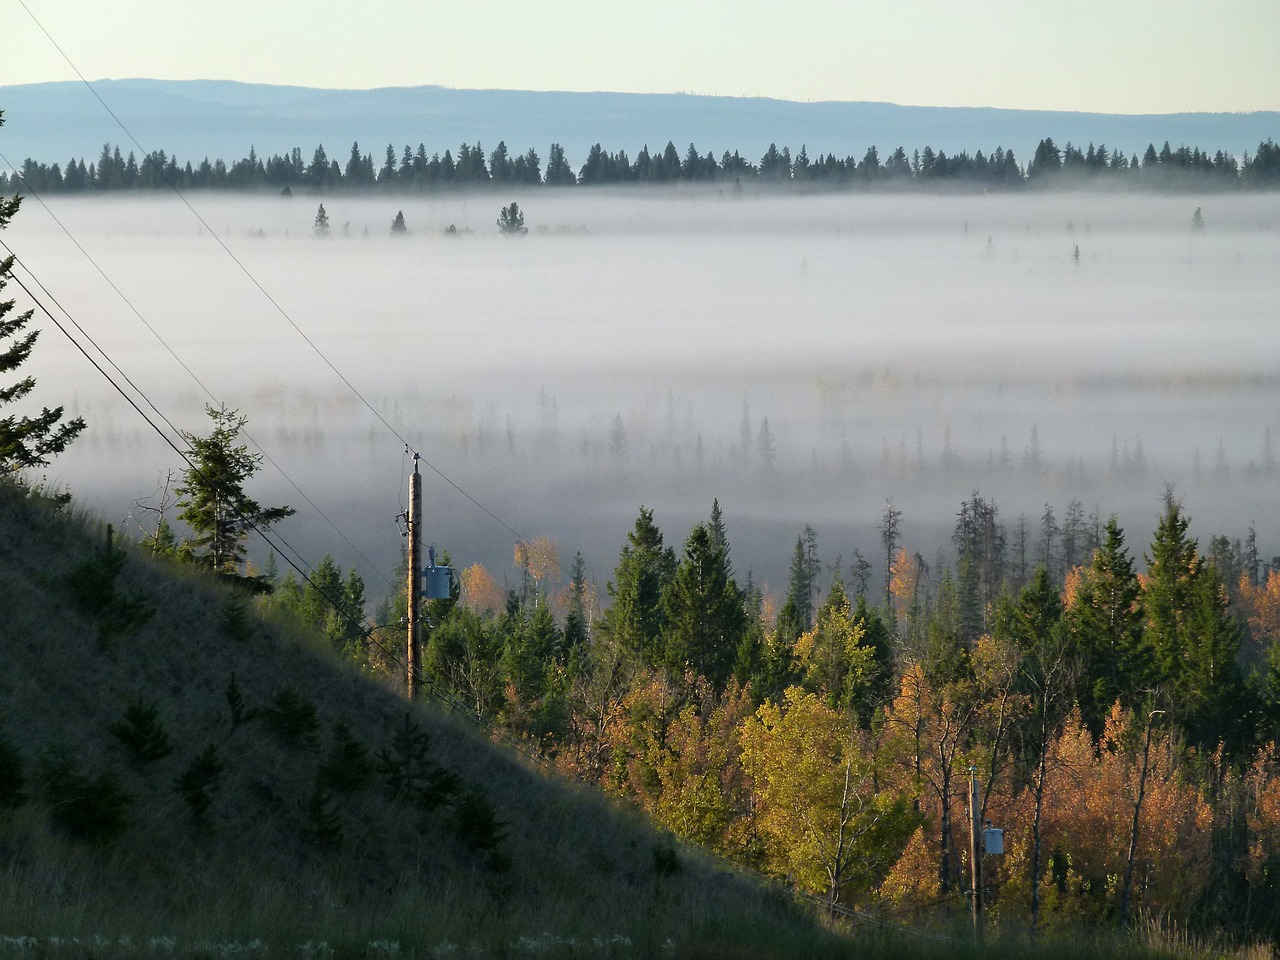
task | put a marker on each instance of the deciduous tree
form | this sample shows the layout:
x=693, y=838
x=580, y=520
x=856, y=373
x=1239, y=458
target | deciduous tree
x=824, y=821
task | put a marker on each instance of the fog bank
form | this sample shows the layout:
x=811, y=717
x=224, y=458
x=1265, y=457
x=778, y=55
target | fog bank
x=631, y=348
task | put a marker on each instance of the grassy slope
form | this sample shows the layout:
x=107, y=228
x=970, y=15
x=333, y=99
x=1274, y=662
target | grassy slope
x=581, y=868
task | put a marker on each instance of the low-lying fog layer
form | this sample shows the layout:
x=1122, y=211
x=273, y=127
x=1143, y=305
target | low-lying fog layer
x=631, y=348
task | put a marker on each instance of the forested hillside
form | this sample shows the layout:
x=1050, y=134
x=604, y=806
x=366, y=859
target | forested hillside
x=1114, y=690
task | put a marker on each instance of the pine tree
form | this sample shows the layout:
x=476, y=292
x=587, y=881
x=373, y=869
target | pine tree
x=511, y=221
x=142, y=733
x=409, y=774
x=1191, y=633
x=559, y=173
x=200, y=781
x=575, y=633
x=803, y=576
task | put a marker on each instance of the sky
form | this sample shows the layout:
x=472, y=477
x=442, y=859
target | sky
x=1104, y=56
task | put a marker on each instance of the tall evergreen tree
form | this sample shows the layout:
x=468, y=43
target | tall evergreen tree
x=705, y=616
x=1190, y=632
x=212, y=497
x=803, y=576
x=635, y=617
x=575, y=634
x=24, y=441
x=1104, y=624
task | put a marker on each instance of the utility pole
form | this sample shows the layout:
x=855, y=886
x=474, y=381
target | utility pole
x=415, y=563
x=975, y=850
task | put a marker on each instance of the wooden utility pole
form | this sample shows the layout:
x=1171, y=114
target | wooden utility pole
x=975, y=850
x=415, y=565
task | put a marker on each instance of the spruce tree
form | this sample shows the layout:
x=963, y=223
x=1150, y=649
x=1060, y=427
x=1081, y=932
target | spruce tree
x=321, y=226
x=1104, y=624
x=511, y=221
x=212, y=496
x=24, y=441
x=636, y=617
x=704, y=611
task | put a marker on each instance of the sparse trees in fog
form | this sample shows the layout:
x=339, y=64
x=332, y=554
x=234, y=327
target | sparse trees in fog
x=398, y=225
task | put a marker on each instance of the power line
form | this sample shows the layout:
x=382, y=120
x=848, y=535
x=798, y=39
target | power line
x=147, y=158
x=155, y=333
x=285, y=551
x=369, y=631
x=142, y=413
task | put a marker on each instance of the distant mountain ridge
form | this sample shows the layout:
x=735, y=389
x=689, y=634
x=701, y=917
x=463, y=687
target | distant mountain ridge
x=193, y=119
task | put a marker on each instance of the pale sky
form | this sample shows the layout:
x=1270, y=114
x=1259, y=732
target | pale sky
x=1108, y=56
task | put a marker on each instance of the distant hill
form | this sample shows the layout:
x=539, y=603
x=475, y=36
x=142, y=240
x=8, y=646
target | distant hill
x=193, y=119
x=117, y=822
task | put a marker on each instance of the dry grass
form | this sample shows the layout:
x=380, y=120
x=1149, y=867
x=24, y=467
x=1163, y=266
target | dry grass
x=581, y=871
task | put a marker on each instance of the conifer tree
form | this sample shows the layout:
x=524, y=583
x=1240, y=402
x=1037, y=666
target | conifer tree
x=704, y=611
x=212, y=496
x=635, y=617
x=511, y=221
x=575, y=633
x=1104, y=623
x=24, y=441
x=321, y=226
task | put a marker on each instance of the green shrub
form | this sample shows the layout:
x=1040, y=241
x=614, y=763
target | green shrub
x=93, y=590
x=235, y=620
x=292, y=719
x=348, y=767
x=12, y=780
x=142, y=732
x=94, y=809
x=200, y=781
x=324, y=820
x=235, y=702
x=478, y=826
x=408, y=772
x=666, y=860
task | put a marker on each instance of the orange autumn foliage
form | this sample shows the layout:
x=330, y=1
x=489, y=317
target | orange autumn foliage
x=1089, y=815
x=1262, y=608
x=480, y=592
x=904, y=578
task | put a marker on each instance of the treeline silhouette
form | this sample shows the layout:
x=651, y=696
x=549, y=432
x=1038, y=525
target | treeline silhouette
x=414, y=170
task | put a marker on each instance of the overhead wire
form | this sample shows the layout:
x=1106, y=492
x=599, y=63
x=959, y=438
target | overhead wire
x=148, y=158
x=164, y=343
x=191, y=464
x=368, y=631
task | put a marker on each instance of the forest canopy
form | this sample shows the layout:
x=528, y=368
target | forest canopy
x=408, y=170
